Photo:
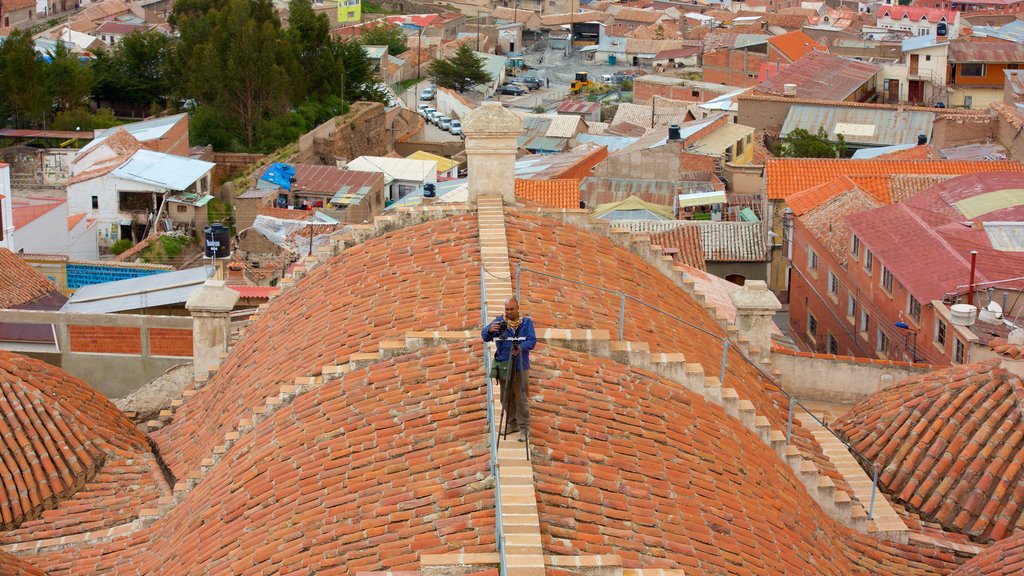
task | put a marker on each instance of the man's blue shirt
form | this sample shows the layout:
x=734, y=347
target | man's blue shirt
x=525, y=330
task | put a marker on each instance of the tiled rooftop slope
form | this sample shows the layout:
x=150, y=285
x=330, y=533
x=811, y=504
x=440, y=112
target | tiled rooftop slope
x=56, y=433
x=568, y=251
x=424, y=276
x=1004, y=558
x=14, y=566
x=364, y=473
x=950, y=445
x=630, y=464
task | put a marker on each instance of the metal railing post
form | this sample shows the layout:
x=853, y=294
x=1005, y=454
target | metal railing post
x=725, y=356
x=874, y=488
x=622, y=313
x=789, y=422
x=499, y=528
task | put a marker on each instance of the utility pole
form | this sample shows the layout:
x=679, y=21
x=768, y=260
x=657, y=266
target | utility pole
x=419, y=53
x=654, y=104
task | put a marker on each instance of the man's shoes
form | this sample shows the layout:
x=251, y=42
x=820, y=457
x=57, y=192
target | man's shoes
x=511, y=428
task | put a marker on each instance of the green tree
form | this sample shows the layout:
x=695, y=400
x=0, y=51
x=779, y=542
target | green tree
x=385, y=34
x=68, y=79
x=136, y=70
x=360, y=79
x=462, y=71
x=310, y=35
x=802, y=144
x=23, y=93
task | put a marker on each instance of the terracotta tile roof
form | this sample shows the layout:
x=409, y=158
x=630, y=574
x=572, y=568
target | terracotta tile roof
x=924, y=152
x=21, y=283
x=58, y=434
x=1004, y=558
x=286, y=213
x=11, y=565
x=807, y=200
x=795, y=44
x=387, y=463
x=74, y=219
x=626, y=14
x=421, y=269
x=950, y=446
x=819, y=75
x=588, y=257
x=917, y=13
x=787, y=176
x=903, y=186
x=683, y=244
x=628, y=464
x=563, y=193
x=827, y=220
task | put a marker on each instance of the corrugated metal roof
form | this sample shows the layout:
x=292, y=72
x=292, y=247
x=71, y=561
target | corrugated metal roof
x=974, y=152
x=920, y=42
x=563, y=127
x=864, y=126
x=577, y=107
x=396, y=168
x=821, y=76
x=1006, y=236
x=143, y=131
x=868, y=153
x=375, y=52
x=716, y=143
x=138, y=293
x=163, y=170
x=594, y=190
x=722, y=241
x=991, y=52
x=443, y=164
x=633, y=208
x=1012, y=31
x=1015, y=79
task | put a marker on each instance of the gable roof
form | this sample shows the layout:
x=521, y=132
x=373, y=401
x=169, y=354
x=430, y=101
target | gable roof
x=918, y=13
x=819, y=75
x=860, y=126
x=784, y=177
x=826, y=221
x=20, y=283
x=163, y=170
x=684, y=244
x=946, y=443
x=796, y=44
x=987, y=52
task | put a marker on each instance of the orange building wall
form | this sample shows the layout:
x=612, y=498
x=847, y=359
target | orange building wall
x=993, y=76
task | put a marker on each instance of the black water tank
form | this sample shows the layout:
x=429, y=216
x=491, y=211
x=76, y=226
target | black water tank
x=673, y=132
x=922, y=139
x=429, y=190
x=218, y=241
x=941, y=29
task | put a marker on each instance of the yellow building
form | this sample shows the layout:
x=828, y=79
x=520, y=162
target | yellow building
x=349, y=10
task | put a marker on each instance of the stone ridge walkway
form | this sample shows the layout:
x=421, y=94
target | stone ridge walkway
x=887, y=523
x=524, y=554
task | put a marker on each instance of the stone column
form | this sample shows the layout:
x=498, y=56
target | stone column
x=211, y=308
x=492, y=134
x=755, y=307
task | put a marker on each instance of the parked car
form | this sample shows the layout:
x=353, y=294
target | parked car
x=430, y=114
x=427, y=94
x=422, y=109
x=513, y=90
x=444, y=123
x=528, y=81
x=455, y=128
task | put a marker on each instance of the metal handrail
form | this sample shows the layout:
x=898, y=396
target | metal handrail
x=492, y=435
x=721, y=375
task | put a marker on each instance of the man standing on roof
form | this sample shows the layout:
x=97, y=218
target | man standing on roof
x=514, y=356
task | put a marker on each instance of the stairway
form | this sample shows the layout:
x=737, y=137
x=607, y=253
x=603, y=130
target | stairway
x=524, y=554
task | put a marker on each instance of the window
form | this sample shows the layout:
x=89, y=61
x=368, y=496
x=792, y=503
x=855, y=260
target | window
x=855, y=247
x=851, y=307
x=812, y=325
x=927, y=57
x=182, y=208
x=940, y=333
x=865, y=322
x=812, y=261
x=833, y=344
x=886, y=281
x=974, y=69
x=833, y=285
x=914, y=309
x=869, y=261
x=95, y=202
x=882, y=343
x=958, y=351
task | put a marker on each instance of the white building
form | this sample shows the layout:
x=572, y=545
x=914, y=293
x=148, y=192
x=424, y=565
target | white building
x=43, y=225
x=401, y=175
x=6, y=217
x=920, y=21
x=920, y=77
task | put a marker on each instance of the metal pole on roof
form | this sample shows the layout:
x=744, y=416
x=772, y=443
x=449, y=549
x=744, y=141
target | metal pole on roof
x=970, y=289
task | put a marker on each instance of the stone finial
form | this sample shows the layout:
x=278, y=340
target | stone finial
x=755, y=305
x=492, y=134
x=211, y=308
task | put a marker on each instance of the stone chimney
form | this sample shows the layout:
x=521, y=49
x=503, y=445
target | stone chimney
x=755, y=306
x=491, y=143
x=211, y=308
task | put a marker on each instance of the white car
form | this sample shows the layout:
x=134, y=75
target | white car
x=427, y=94
x=444, y=123
x=430, y=114
x=422, y=109
x=455, y=128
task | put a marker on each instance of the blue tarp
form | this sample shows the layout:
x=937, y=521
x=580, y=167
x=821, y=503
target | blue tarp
x=279, y=174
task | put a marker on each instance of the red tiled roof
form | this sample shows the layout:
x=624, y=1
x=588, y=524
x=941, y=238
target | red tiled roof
x=929, y=221
x=917, y=13
x=949, y=445
x=819, y=75
x=577, y=107
x=58, y=433
x=331, y=179
x=24, y=214
x=827, y=223
x=811, y=198
x=795, y=44
x=255, y=291
x=367, y=473
x=74, y=219
x=564, y=193
x=923, y=152
x=11, y=565
x=683, y=244
x=422, y=270
x=1004, y=558
x=21, y=283
x=628, y=464
x=787, y=176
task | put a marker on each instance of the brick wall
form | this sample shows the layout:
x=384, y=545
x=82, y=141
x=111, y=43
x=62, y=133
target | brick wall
x=107, y=339
x=644, y=91
x=733, y=67
x=170, y=342
x=763, y=115
x=583, y=168
x=706, y=131
x=231, y=164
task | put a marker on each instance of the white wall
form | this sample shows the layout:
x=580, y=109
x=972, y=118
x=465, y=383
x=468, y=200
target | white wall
x=6, y=213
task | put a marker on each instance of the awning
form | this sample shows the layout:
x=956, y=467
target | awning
x=701, y=199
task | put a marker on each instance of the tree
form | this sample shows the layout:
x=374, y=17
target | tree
x=461, y=71
x=68, y=79
x=136, y=70
x=802, y=144
x=385, y=34
x=23, y=92
x=310, y=35
x=361, y=82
